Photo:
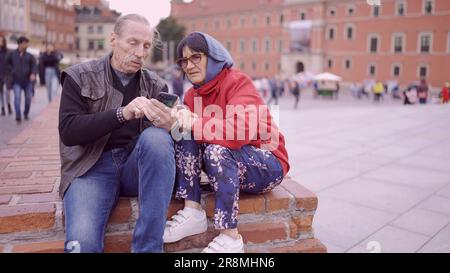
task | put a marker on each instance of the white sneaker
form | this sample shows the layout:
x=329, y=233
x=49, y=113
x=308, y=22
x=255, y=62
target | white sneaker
x=225, y=244
x=185, y=223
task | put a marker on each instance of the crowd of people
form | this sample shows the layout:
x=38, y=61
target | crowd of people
x=19, y=72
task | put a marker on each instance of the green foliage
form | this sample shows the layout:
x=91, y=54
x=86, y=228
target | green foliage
x=169, y=30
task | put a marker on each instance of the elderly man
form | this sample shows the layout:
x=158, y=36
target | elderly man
x=108, y=148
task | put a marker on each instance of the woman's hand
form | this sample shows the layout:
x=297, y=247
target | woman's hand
x=186, y=119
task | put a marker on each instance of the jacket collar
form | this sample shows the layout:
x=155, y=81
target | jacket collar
x=109, y=77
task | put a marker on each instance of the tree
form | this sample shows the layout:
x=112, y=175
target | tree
x=169, y=30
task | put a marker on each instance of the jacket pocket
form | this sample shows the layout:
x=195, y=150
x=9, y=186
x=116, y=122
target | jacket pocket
x=93, y=90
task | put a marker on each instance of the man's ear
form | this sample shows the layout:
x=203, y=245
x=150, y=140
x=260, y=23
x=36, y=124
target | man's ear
x=113, y=39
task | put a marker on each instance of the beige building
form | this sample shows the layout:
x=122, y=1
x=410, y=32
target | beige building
x=13, y=17
x=94, y=24
x=36, y=26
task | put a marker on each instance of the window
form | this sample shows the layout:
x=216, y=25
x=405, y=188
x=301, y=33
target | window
x=228, y=23
x=423, y=71
x=376, y=11
x=242, y=66
x=76, y=29
x=396, y=70
x=242, y=21
x=428, y=6
x=400, y=8
x=348, y=64
x=91, y=45
x=228, y=45
x=349, y=33
x=372, y=69
x=242, y=46
x=254, y=21
x=351, y=10
x=268, y=20
x=101, y=44
x=267, y=45
x=90, y=29
x=330, y=63
x=448, y=42
x=255, y=45
x=331, y=32
x=99, y=29
x=373, y=44
x=397, y=41
x=253, y=66
x=281, y=19
x=425, y=40
x=280, y=46
x=205, y=25
x=267, y=67
x=216, y=24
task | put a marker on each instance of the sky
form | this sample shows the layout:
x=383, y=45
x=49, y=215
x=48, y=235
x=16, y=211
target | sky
x=153, y=10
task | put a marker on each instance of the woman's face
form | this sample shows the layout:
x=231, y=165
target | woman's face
x=194, y=65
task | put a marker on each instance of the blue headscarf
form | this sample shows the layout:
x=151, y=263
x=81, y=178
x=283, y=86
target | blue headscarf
x=219, y=58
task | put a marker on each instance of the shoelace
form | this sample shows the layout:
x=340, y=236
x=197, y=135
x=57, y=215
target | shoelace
x=177, y=219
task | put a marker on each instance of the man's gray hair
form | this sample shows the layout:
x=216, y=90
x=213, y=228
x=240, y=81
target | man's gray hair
x=122, y=20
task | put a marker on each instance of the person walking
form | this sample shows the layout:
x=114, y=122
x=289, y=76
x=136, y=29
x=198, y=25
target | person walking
x=4, y=75
x=49, y=69
x=23, y=68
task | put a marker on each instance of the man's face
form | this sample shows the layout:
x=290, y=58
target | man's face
x=131, y=47
x=23, y=46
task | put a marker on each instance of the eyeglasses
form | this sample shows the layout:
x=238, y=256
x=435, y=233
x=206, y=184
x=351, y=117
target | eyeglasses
x=194, y=58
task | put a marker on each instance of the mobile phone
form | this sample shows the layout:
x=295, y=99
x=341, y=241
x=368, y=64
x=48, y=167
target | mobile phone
x=168, y=99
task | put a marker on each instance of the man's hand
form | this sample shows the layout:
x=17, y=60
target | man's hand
x=136, y=108
x=160, y=115
x=32, y=77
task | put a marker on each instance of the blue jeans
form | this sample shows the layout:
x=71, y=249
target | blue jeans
x=148, y=172
x=248, y=169
x=51, y=82
x=28, y=89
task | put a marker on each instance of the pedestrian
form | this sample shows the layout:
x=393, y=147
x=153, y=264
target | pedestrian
x=49, y=68
x=422, y=91
x=295, y=89
x=273, y=84
x=23, y=68
x=446, y=92
x=378, y=90
x=4, y=78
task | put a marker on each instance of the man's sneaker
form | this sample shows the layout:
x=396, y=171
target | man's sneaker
x=225, y=244
x=186, y=222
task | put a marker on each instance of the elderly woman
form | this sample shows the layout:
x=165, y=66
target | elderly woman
x=226, y=146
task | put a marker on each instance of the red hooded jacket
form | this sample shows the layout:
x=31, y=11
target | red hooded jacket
x=232, y=114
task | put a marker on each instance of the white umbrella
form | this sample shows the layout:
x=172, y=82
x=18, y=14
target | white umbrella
x=327, y=77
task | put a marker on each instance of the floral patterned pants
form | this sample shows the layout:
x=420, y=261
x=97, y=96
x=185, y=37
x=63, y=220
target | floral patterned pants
x=248, y=169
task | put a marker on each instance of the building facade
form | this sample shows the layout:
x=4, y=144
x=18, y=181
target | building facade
x=36, y=23
x=60, y=24
x=13, y=19
x=401, y=40
x=94, y=24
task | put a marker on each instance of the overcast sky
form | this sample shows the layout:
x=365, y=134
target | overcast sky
x=153, y=10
